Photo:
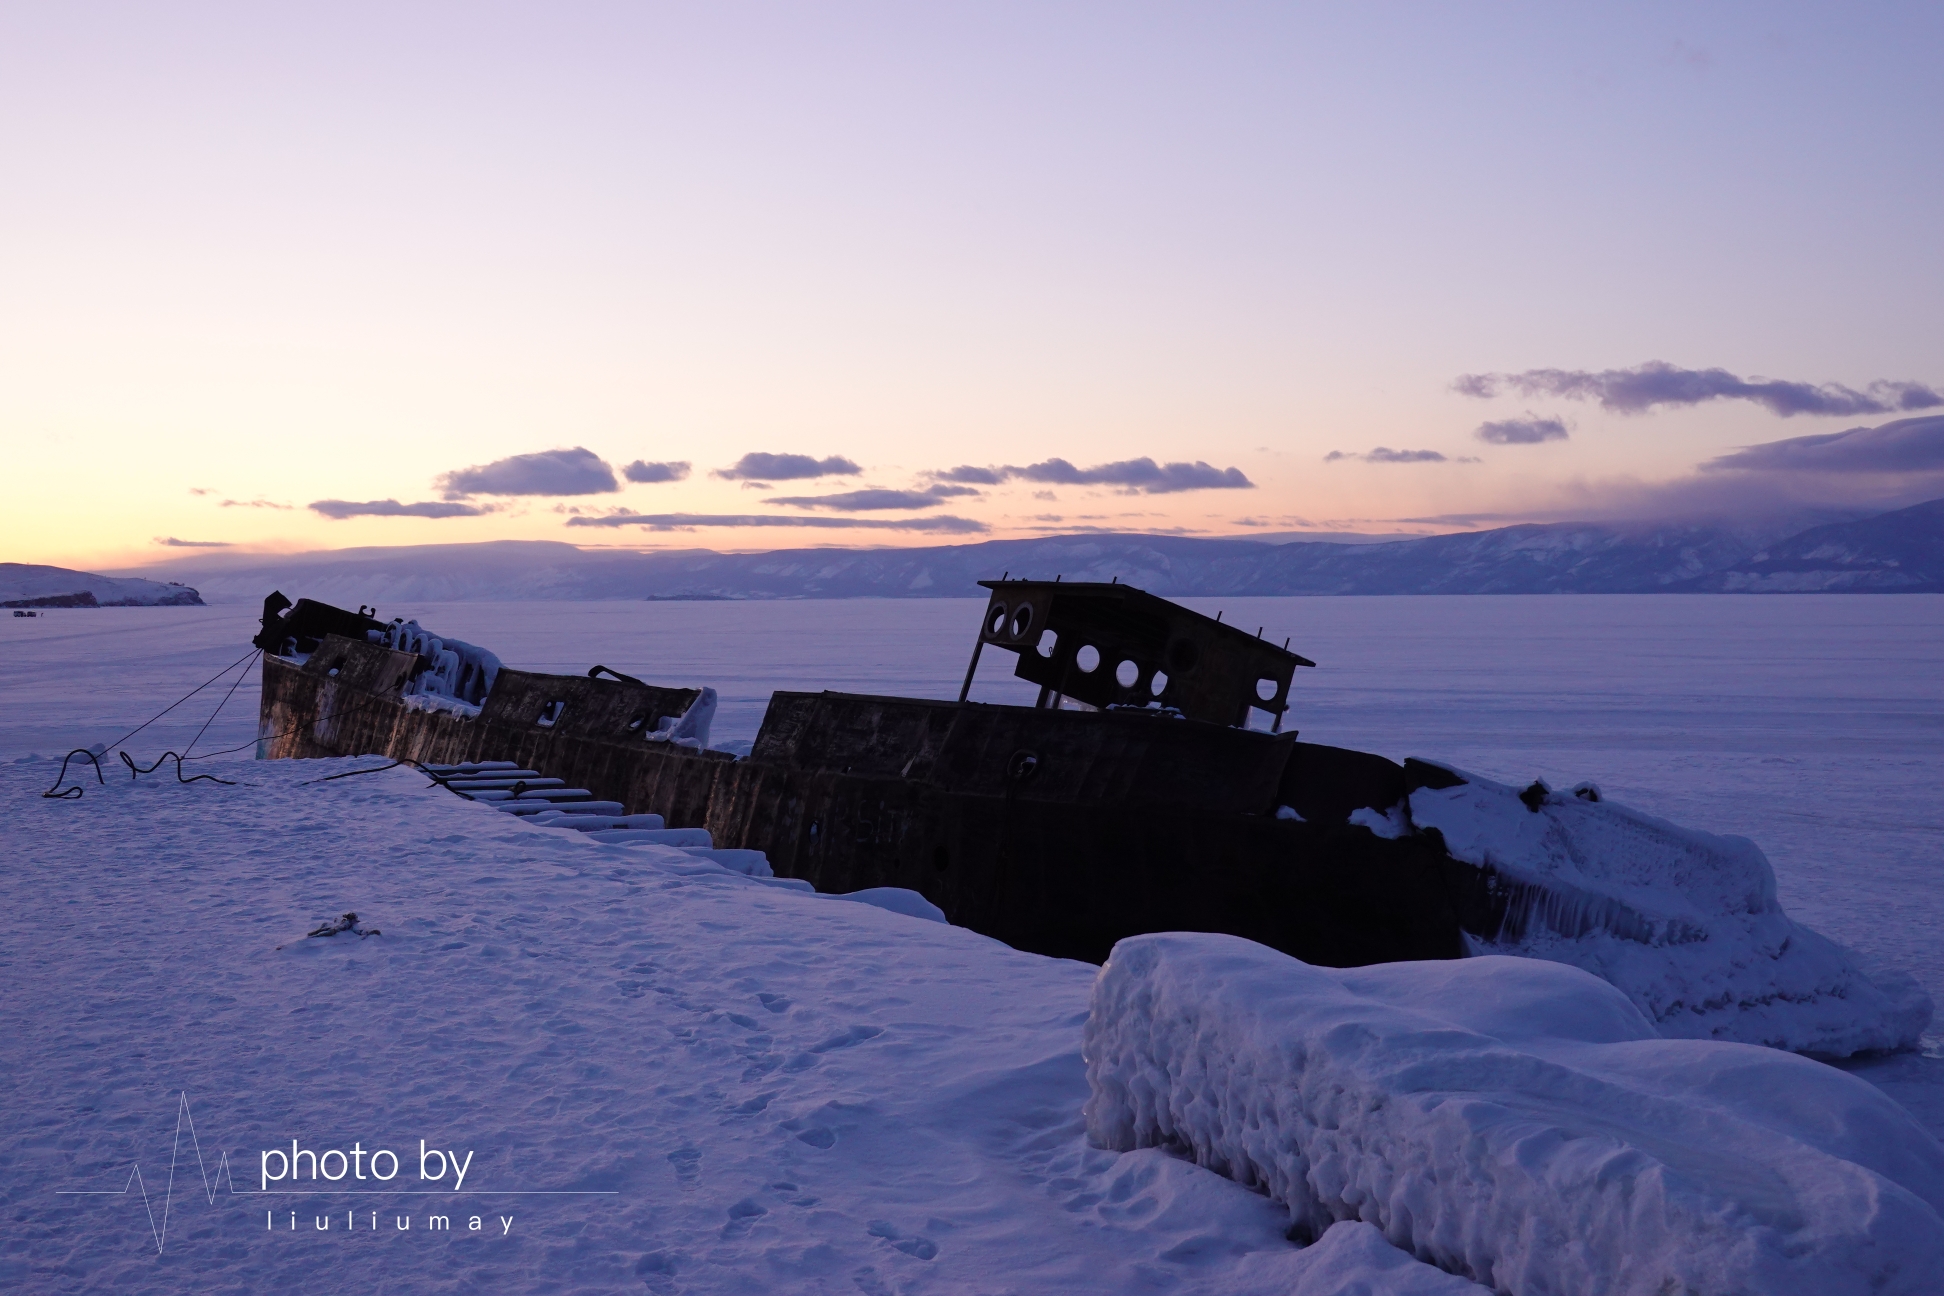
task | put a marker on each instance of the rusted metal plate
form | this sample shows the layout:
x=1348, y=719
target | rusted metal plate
x=1070, y=880
x=1043, y=755
x=604, y=709
x=1114, y=645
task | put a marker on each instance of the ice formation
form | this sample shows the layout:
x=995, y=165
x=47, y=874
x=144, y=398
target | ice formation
x=691, y=728
x=1686, y=923
x=456, y=670
x=1512, y=1120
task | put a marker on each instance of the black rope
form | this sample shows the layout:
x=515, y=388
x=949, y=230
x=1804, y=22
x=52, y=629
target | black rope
x=57, y=793
x=76, y=790
x=134, y=769
x=263, y=738
x=184, y=698
x=375, y=769
x=219, y=707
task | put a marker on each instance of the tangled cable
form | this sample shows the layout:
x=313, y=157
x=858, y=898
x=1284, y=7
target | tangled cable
x=134, y=769
x=94, y=754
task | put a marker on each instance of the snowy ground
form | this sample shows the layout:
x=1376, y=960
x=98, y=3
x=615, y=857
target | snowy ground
x=782, y=1091
x=592, y=1018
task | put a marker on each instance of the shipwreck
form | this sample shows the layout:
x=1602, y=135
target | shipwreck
x=1154, y=785
x=1134, y=796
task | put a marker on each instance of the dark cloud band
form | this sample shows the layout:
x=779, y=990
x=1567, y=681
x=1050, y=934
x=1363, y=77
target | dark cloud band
x=1530, y=430
x=1638, y=390
x=1384, y=454
x=577, y=471
x=642, y=471
x=758, y=466
x=341, y=509
x=1137, y=476
x=1907, y=446
x=875, y=500
x=688, y=521
x=174, y=543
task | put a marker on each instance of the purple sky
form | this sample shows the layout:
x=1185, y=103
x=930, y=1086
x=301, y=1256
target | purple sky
x=368, y=257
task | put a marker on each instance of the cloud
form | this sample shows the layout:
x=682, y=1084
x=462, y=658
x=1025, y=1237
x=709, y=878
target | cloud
x=976, y=476
x=258, y=502
x=1530, y=430
x=875, y=500
x=1384, y=454
x=578, y=471
x=1638, y=390
x=341, y=509
x=1907, y=446
x=642, y=471
x=689, y=521
x=786, y=467
x=1109, y=530
x=174, y=543
x=1136, y=476
x=201, y=490
x=1855, y=472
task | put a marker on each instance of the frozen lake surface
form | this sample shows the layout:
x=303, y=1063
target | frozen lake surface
x=1812, y=724
x=789, y=1092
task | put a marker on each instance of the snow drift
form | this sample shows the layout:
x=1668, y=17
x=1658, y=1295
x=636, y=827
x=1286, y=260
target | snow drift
x=1685, y=922
x=1512, y=1120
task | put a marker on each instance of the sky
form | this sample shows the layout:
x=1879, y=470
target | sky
x=746, y=276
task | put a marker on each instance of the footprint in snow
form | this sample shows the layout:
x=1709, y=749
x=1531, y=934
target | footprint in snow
x=743, y=1216
x=917, y=1245
x=688, y=1167
x=776, y=1003
x=847, y=1038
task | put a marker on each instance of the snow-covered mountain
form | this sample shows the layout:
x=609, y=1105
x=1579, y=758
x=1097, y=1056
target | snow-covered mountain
x=29, y=585
x=1901, y=552
x=1560, y=558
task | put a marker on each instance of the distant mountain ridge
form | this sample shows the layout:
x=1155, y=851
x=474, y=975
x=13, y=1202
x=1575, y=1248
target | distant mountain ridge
x=26, y=585
x=1894, y=552
x=1900, y=552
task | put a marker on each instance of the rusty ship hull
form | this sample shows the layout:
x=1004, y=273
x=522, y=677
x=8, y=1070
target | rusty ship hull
x=1057, y=831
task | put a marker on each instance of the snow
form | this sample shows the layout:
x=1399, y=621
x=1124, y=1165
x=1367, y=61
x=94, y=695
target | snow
x=459, y=672
x=566, y=1004
x=784, y=1091
x=1686, y=923
x=897, y=900
x=691, y=728
x=25, y=581
x=1513, y=1120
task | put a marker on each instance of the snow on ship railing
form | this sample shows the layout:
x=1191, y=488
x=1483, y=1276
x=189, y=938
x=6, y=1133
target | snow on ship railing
x=458, y=672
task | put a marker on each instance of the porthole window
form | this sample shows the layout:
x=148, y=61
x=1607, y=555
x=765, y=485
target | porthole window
x=1159, y=684
x=996, y=619
x=1048, y=641
x=1022, y=620
x=1266, y=689
x=1127, y=674
x=1087, y=659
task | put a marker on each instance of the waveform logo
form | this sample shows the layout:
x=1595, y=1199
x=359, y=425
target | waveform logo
x=160, y=1231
